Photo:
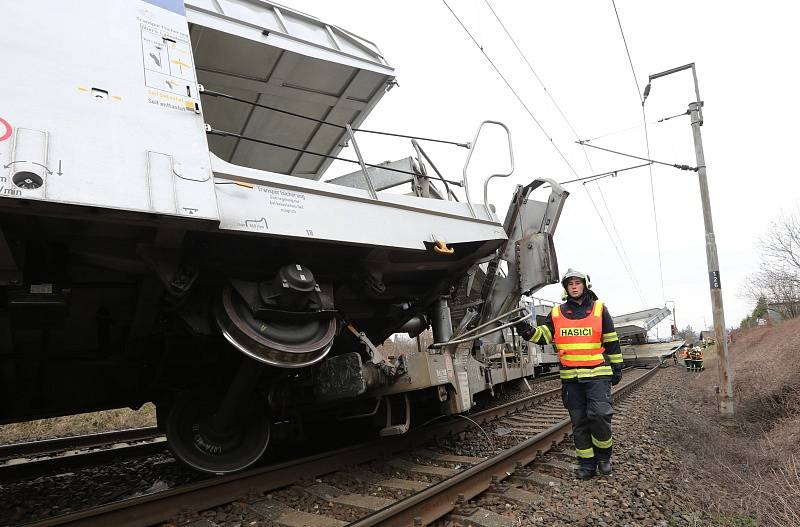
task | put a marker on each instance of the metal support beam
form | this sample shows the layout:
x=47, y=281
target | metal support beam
x=228, y=81
x=441, y=322
x=370, y=187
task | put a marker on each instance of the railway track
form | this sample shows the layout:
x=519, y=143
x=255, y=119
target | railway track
x=453, y=494
x=402, y=480
x=545, y=377
x=30, y=459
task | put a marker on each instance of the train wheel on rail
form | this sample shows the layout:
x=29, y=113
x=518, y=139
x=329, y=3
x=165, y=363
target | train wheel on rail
x=199, y=439
x=285, y=322
x=281, y=323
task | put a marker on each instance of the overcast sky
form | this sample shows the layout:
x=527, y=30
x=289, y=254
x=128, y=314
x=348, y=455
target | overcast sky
x=746, y=62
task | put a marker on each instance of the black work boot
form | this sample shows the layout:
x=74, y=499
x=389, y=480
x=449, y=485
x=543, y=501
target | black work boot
x=584, y=472
x=604, y=467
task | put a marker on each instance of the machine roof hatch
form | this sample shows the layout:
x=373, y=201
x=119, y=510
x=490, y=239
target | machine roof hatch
x=268, y=54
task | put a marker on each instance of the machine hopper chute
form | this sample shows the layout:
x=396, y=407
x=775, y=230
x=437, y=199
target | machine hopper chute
x=263, y=53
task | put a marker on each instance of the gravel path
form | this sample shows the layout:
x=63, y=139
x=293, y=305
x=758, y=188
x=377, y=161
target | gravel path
x=645, y=489
x=644, y=492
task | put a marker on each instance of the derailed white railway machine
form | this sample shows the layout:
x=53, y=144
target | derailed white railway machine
x=165, y=236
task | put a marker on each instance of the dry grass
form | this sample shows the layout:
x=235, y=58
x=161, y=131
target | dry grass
x=750, y=468
x=79, y=424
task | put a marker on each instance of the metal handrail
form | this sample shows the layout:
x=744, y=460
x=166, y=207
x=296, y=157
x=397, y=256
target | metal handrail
x=486, y=182
x=422, y=154
x=492, y=321
x=464, y=338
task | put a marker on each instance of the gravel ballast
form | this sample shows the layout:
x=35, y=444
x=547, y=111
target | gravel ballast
x=646, y=488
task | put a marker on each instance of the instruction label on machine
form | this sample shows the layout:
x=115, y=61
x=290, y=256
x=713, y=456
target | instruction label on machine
x=286, y=201
x=169, y=73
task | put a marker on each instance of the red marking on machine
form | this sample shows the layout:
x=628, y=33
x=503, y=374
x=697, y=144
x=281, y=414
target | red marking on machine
x=5, y=130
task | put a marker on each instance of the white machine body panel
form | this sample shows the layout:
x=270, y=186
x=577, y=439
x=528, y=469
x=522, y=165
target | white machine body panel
x=262, y=202
x=103, y=110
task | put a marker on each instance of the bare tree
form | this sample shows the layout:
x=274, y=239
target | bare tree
x=781, y=243
x=778, y=276
x=779, y=285
x=688, y=334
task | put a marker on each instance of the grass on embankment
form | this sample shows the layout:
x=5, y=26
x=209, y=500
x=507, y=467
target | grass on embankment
x=79, y=424
x=750, y=468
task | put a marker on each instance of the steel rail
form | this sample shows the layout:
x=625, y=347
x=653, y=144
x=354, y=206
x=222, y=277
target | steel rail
x=153, y=508
x=39, y=467
x=60, y=444
x=157, y=507
x=436, y=501
x=546, y=377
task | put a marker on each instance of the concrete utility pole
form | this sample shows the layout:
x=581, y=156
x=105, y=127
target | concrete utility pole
x=724, y=369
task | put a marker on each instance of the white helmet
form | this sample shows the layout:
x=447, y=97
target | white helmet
x=572, y=273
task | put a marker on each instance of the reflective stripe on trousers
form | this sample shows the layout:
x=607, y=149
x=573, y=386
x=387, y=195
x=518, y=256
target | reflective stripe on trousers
x=590, y=409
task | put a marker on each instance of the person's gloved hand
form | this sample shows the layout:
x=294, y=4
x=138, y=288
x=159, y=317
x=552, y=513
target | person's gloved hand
x=524, y=329
x=616, y=376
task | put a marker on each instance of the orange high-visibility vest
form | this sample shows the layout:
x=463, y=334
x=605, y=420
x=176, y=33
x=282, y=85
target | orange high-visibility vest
x=579, y=342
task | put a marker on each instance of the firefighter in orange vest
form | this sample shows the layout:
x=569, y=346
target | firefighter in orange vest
x=685, y=357
x=583, y=333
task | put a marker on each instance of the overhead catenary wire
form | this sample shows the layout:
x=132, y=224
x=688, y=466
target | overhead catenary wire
x=615, y=132
x=634, y=127
x=647, y=144
x=655, y=213
x=687, y=112
x=511, y=88
x=574, y=133
x=627, y=50
x=627, y=265
x=601, y=175
x=615, y=231
x=650, y=161
x=614, y=228
x=212, y=93
x=619, y=254
x=626, y=261
x=539, y=80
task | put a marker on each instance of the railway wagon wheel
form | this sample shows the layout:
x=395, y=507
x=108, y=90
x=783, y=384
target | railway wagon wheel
x=198, y=437
x=283, y=323
x=295, y=343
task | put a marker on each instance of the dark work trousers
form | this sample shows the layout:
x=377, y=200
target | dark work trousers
x=590, y=410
